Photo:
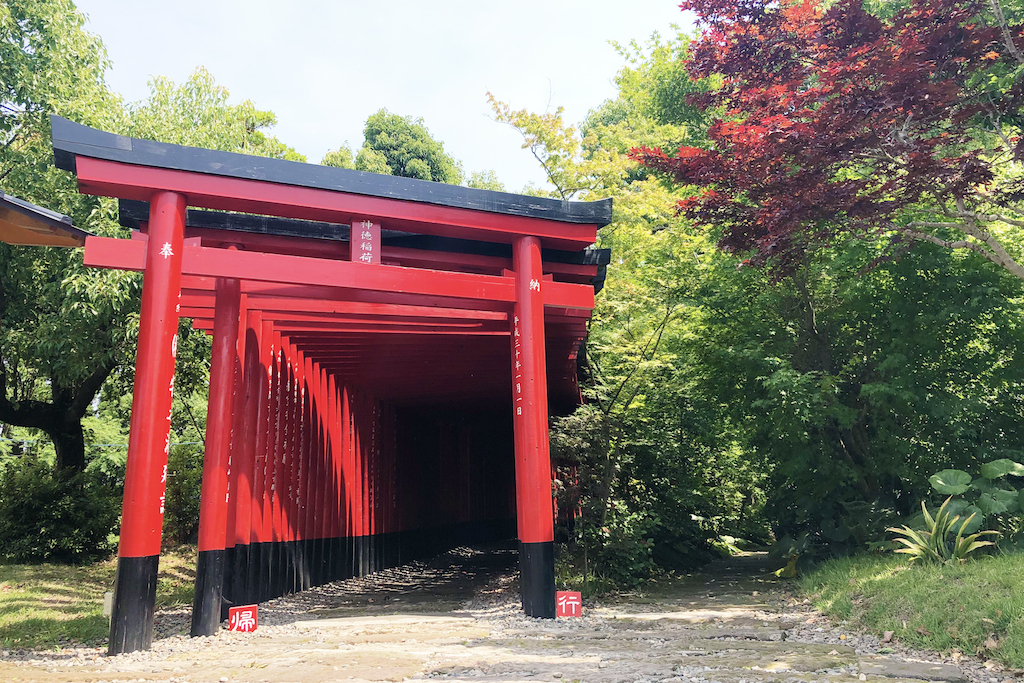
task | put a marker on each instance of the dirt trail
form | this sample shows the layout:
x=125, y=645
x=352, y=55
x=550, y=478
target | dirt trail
x=458, y=618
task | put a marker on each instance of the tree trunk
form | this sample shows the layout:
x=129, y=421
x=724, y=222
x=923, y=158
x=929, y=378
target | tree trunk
x=60, y=419
x=69, y=443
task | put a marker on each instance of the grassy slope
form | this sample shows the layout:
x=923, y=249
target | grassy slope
x=49, y=604
x=939, y=607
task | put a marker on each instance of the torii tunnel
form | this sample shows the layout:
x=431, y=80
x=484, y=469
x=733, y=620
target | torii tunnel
x=385, y=355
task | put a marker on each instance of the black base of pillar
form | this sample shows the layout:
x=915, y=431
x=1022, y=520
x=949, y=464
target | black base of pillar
x=206, y=606
x=131, y=623
x=537, y=578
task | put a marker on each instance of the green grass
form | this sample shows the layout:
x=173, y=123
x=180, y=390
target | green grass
x=48, y=605
x=974, y=608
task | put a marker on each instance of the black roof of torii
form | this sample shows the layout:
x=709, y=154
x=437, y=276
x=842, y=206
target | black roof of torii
x=71, y=139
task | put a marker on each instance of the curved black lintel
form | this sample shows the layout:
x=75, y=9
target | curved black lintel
x=72, y=139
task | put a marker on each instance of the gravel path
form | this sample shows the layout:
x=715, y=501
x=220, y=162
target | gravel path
x=458, y=618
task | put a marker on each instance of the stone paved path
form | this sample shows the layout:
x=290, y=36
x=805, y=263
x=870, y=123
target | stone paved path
x=457, y=618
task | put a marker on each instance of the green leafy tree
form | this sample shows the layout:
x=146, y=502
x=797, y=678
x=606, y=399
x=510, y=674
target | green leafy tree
x=656, y=477
x=402, y=146
x=339, y=158
x=485, y=180
x=197, y=113
x=63, y=329
x=723, y=399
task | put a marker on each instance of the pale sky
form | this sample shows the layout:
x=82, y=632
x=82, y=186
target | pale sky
x=323, y=67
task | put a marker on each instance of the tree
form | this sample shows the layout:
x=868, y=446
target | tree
x=658, y=474
x=402, y=146
x=62, y=328
x=197, y=113
x=833, y=121
x=339, y=158
x=485, y=180
x=725, y=400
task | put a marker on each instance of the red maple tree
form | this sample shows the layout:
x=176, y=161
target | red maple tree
x=836, y=121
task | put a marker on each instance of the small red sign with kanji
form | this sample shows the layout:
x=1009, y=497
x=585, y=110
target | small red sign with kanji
x=243, y=618
x=568, y=604
x=364, y=241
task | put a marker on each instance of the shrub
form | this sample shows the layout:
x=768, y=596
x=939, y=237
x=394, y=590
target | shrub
x=993, y=499
x=944, y=538
x=48, y=516
x=181, y=498
x=623, y=547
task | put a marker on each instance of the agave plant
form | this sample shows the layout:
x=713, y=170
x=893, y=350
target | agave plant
x=937, y=543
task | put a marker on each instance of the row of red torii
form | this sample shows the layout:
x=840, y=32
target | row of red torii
x=366, y=329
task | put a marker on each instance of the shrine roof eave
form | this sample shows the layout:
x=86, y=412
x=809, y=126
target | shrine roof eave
x=71, y=140
x=27, y=224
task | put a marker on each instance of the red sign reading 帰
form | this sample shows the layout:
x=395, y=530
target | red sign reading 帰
x=243, y=618
x=568, y=604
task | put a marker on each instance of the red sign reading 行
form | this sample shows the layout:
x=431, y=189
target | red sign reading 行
x=243, y=618
x=568, y=604
x=364, y=241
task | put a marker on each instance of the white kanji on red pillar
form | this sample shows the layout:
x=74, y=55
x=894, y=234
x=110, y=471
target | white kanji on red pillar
x=166, y=250
x=534, y=285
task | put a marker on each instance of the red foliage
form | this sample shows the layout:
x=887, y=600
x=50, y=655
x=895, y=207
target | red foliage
x=834, y=120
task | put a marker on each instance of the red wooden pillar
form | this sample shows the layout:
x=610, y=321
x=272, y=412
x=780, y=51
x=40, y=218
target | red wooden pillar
x=374, y=481
x=307, y=473
x=292, y=472
x=314, y=457
x=244, y=461
x=337, y=428
x=234, y=563
x=263, y=522
x=131, y=624
x=275, y=465
x=213, y=502
x=287, y=472
x=359, y=481
x=530, y=419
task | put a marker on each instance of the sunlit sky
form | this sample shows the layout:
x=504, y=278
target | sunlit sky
x=323, y=67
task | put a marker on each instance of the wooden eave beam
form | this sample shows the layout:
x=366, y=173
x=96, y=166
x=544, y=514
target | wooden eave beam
x=115, y=179
x=106, y=252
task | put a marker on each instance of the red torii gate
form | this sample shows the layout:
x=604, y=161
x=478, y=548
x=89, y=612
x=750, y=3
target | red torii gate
x=363, y=313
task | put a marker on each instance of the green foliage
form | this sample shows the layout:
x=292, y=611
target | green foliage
x=952, y=482
x=402, y=146
x=485, y=180
x=942, y=539
x=660, y=472
x=372, y=161
x=993, y=499
x=66, y=329
x=182, y=496
x=811, y=406
x=48, y=516
x=197, y=114
x=339, y=158
x=623, y=547
x=975, y=608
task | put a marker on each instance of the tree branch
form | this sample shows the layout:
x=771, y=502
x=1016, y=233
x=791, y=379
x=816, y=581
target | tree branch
x=1003, y=260
x=1004, y=27
x=88, y=388
x=37, y=414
